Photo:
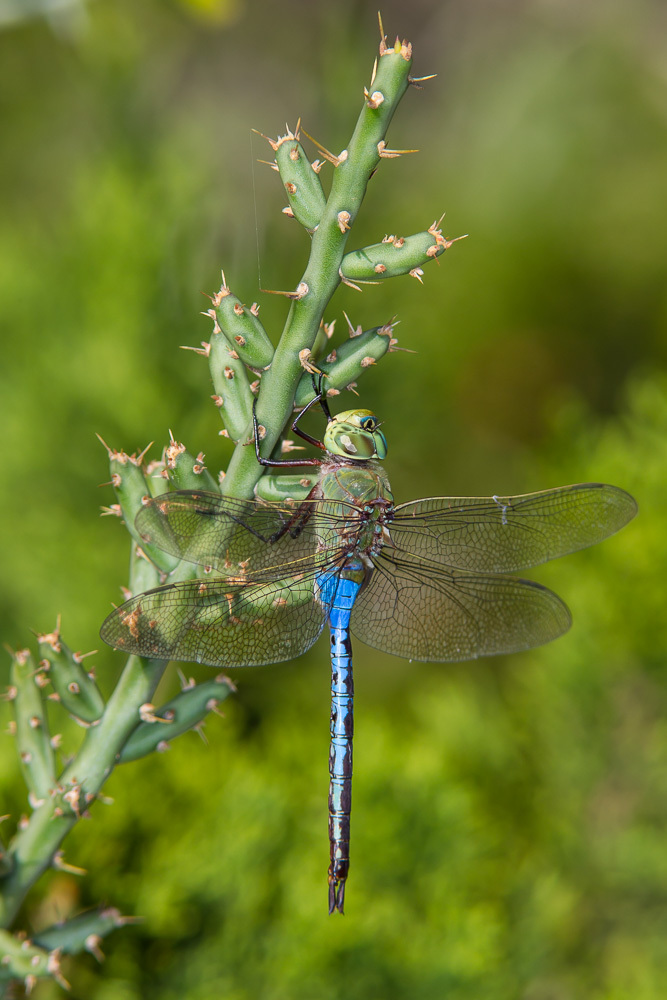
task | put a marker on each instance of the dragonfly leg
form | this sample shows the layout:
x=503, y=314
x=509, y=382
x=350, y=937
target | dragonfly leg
x=318, y=389
x=297, y=522
x=320, y=398
x=283, y=463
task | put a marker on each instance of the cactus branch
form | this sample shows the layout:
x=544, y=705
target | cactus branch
x=34, y=846
x=321, y=276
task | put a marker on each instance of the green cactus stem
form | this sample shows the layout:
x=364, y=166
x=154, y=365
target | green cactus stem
x=352, y=170
x=186, y=711
x=322, y=338
x=282, y=489
x=395, y=255
x=33, y=847
x=184, y=471
x=32, y=731
x=242, y=328
x=82, y=933
x=40, y=958
x=131, y=486
x=347, y=363
x=60, y=800
x=300, y=178
x=25, y=961
x=233, y=395
x=143, y=574
x=74, y=686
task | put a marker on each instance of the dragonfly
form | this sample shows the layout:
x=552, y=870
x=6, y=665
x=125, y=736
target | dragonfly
x=428, y=580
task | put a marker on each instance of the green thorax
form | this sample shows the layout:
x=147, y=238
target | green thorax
x=351, y=478
x=345, y=484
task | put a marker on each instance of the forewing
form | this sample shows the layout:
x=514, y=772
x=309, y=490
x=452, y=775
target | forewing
x=218, y=623
x=243, y=539
x=429, y=613
x=507, y=534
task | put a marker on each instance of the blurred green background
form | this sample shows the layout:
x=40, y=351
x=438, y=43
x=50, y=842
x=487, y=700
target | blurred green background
x=509, y=816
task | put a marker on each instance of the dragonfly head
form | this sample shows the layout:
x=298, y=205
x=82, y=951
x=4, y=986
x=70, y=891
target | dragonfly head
x=355, y=434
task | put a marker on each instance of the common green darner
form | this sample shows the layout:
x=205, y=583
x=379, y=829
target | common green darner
x=425, y=580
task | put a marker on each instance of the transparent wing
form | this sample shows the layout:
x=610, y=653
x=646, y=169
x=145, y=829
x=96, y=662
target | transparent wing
x=240, y=538
x=507, y=534
x=424, y=612
x=220, y=623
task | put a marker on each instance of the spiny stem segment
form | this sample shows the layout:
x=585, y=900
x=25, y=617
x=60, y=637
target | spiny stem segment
x=32, y=732
x=300, y=178
x=73, y=686
x=282, y=384
x=186, y=711
x=122, y=729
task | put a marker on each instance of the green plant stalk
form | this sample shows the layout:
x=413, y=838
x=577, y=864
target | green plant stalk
x=185, y=472
x=242, y=328
x=30, y=960
x=344, y=364
x=279, y=489
x=82, y=932
x=232, y=387
x=75, y=688
x=22, y=960
x=130, y=486
x=32, y=730
x=302, y=184
x=33, y=848
x=275, y=401
x=186, y=711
